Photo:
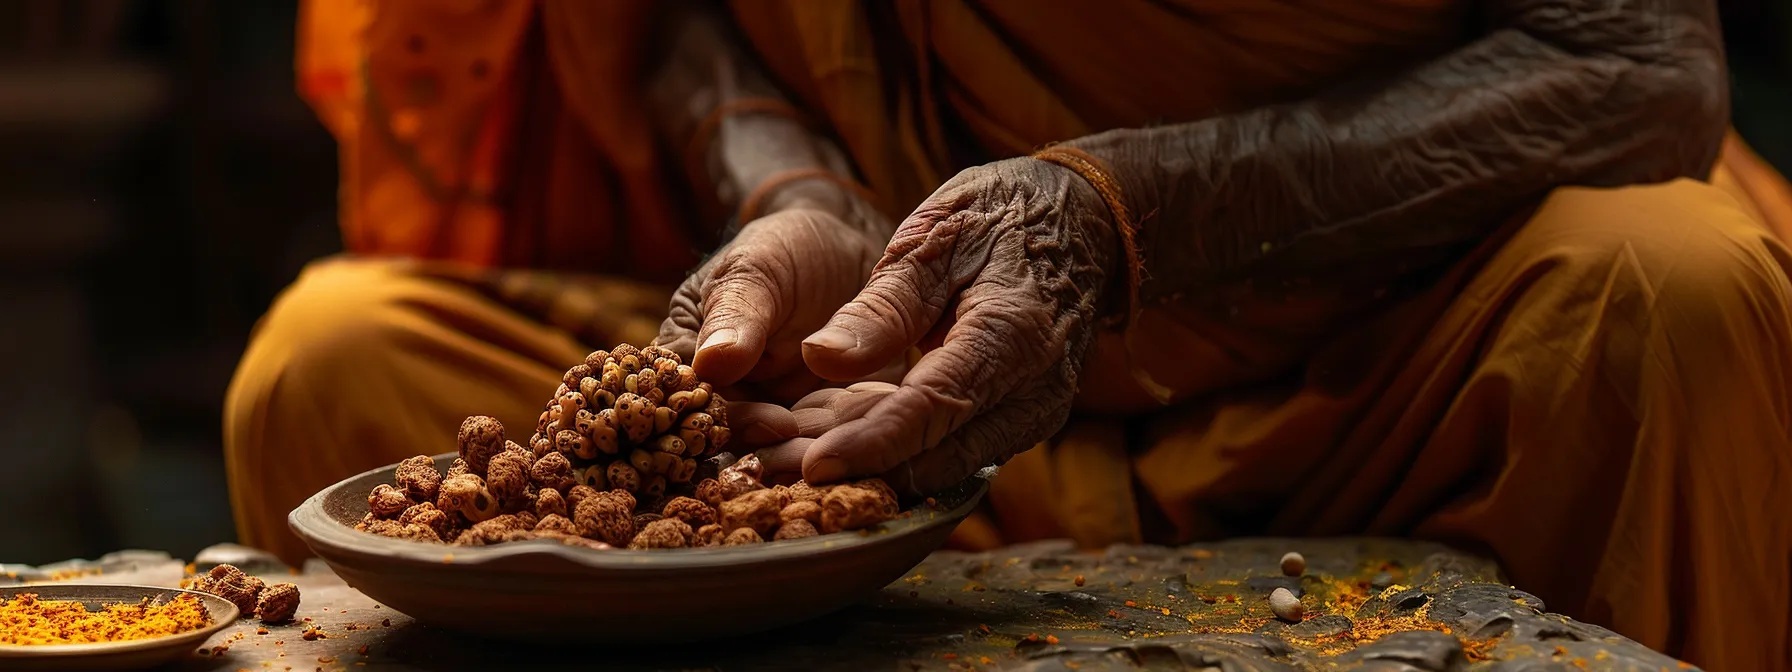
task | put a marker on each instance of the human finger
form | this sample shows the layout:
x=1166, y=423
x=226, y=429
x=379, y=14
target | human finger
x=678, y=332
x=817, y=398
x=754, y=424
x=846, y=404
x=783, y=460
x=1015, y=425
x=743, y=303
x=945, y=390
x=905, y=297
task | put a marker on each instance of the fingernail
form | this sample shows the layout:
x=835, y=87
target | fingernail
x=832, y=338
x=722, y=337
x=827, y=470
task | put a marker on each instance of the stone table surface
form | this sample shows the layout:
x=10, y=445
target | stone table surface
x=1370, y=605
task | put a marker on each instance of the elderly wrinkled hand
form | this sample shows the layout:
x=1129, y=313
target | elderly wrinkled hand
x=742, y=316
x=1005, y=266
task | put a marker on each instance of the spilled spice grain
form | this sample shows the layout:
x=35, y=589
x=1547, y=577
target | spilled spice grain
x=30, y=621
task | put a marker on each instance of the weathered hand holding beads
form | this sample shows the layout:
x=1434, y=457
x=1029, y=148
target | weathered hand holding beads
x=626, y=440
x=1006, y=264
x=742, y=316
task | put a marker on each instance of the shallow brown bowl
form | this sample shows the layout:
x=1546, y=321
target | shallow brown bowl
x=139, y=654
x=544, y=591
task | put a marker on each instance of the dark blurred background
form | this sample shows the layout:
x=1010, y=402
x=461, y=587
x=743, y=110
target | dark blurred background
x=160, y=182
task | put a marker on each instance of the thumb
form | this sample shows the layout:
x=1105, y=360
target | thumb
x=741, y=307
x=900, y=304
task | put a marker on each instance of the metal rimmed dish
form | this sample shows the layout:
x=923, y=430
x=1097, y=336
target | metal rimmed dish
x=543, y=591
x=136, y=654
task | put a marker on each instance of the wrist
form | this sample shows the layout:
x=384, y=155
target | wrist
x=1114, y=236
x=1126, y=155
x=1122, y=298
x=1167, y=178
x=817, y=189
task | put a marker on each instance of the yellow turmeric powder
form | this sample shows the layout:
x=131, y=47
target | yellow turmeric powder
x=28, y=620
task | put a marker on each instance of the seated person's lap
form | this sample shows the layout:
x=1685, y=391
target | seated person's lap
x=361, y=363
x=1611, y=366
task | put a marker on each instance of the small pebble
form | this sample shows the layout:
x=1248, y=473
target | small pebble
x=1381, y=581
x=1294, y=564
x=1285, y=605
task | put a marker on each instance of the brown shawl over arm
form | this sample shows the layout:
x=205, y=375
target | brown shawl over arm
x=1561, y=92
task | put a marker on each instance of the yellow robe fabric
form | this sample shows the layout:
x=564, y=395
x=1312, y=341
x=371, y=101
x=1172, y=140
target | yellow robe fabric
x=1597, y=396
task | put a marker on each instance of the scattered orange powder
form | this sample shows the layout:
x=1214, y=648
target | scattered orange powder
x=28, y=620
x=1343, y=597
x=1365, y=630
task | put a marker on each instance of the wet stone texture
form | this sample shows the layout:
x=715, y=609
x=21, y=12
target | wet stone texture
x=1369, y=605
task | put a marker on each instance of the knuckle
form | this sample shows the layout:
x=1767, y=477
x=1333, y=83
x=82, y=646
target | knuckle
x=741, y=288
x=678, y=331
x=951, y=398
x=737, y=263
x=681, y=315
x=926, y=237
x=684, y=301
x=679, y=338
x=856, y=403
x=900, y=300
x=813, y=422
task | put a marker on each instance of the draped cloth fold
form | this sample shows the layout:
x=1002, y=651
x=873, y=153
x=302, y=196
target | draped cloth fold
x=1597, y=395
x=1601, y=398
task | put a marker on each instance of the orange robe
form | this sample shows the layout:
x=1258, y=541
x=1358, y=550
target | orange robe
x=1598, y=396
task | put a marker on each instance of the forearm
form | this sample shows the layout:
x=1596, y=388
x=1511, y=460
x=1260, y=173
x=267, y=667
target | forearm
x=1562, y=92
x=737, y=150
